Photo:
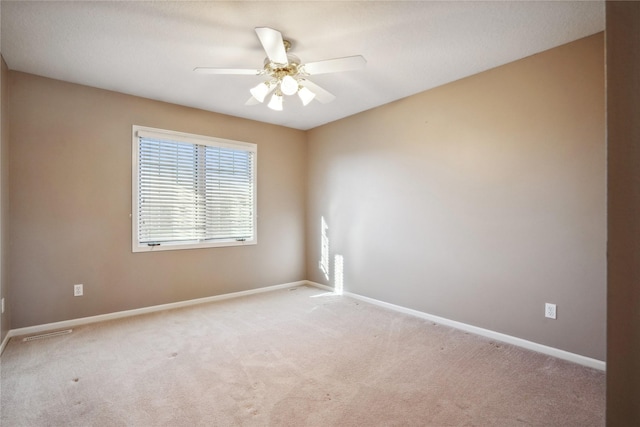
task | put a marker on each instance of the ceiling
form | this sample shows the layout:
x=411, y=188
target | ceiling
x=149, y=49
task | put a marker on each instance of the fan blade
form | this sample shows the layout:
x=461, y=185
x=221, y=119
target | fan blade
x=252, y=101
x=238, y=71
x=273, y=44
x=322, y=95
x=335, y=65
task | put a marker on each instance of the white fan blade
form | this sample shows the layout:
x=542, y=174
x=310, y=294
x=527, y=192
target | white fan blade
x=273, y=45
x=252, y=101
x=335, y=65
x=239, y=71
x=321, y=94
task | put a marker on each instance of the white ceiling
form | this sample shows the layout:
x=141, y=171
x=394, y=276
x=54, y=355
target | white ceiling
x=149, y=49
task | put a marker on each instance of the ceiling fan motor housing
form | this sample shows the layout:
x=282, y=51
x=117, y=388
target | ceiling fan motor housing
x=278, y=71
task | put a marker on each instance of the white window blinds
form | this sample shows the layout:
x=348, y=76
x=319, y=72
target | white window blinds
x=193, y=191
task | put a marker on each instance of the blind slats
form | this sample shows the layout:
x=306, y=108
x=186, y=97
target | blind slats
x=194, y=192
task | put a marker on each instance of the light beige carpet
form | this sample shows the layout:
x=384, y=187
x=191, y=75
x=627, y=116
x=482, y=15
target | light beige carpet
x=295, y=357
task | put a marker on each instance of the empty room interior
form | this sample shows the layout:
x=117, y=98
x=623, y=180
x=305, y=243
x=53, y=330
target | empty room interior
x=320, y=213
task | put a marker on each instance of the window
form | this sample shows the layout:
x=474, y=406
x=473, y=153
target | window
x=192, y=191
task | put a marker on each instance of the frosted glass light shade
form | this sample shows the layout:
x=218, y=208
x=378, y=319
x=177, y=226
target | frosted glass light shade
x=306, y=96
x=260, y=91
x=288, y=85
x=276, y=102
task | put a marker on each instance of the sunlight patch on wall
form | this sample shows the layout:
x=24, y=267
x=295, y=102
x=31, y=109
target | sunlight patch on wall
x=324, y=248
x=338, y=279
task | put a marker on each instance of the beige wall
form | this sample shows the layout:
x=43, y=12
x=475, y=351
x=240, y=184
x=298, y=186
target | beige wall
x=477, y=201
x=5, y=319
x=623, y=279
x=70, y=200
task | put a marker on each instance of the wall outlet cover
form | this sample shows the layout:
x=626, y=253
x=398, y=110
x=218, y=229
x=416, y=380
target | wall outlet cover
x=77, y=290
x=550, y=310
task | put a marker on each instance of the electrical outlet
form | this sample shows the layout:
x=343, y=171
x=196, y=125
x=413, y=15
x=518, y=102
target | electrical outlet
x=77, y=291
x=550, y=310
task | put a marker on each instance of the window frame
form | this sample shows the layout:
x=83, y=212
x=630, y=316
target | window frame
x=181, y=137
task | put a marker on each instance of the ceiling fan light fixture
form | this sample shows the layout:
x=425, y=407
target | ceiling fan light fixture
x=276, y=102
x=288, y=85
x=260, y=91
x=306, y=96
x=285, y=74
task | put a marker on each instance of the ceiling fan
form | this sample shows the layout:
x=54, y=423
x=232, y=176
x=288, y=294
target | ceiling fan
x=285, y=74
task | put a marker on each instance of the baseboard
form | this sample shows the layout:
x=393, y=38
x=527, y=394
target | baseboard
x=5, y=341
x=65, y=324
x=540, y=348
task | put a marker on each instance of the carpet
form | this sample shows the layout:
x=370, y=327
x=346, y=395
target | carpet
x=295, y=357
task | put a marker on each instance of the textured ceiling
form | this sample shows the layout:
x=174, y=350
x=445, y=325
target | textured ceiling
x=149, y=49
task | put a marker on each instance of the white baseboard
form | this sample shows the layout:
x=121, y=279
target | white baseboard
x=4, y=342
x=65, y=324
x=540, y=348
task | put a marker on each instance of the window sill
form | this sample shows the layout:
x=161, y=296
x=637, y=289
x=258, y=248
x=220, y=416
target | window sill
x=194, y=245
